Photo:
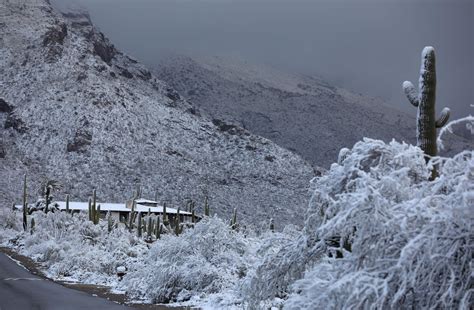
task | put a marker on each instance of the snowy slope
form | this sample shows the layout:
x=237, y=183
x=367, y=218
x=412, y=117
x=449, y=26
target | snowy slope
x=77, y=110
x=301, y=113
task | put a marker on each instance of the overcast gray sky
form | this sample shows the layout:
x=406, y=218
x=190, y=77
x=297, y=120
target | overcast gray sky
x=369, y=46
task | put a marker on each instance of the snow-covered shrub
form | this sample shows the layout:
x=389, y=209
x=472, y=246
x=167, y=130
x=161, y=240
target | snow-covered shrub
x=203, y=260
x=280, y=259
x=411, y=239
x=379, y=234
x=72, y=246
x=10, y=224
x=9, y=219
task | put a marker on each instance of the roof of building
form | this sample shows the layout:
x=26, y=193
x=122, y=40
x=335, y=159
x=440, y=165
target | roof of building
x=116, y=207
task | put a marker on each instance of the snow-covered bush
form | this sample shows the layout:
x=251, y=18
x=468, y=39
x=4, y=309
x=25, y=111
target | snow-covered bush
x=9, y=219
x=72, y=246
x=10, y=224
x=405, y=241
x=203, y=260
x=280, y=259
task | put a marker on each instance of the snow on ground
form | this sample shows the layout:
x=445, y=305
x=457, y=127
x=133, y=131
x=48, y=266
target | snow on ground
x=378, y=233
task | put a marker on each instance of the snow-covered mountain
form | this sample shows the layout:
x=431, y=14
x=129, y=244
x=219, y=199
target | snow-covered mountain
x=301, y=113
x=77, y=110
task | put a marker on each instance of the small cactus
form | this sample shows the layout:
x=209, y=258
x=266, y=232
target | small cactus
x=425, y=101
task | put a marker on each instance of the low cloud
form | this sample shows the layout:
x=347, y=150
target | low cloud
x=367, y=46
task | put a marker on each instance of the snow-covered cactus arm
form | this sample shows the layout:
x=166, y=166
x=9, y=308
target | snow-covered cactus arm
x=443, y=119
x=411, y=93
x=425, y=100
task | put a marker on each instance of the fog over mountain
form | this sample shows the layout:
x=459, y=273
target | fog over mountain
x=366, y=46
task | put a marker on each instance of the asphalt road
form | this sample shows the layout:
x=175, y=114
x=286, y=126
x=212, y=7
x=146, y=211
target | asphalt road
x=21, y=290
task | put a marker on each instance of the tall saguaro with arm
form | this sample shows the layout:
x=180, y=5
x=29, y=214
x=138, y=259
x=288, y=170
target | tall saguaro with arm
x=425, y=100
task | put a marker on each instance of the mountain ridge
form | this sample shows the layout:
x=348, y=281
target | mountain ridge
x=79, y=111
x=301, y=113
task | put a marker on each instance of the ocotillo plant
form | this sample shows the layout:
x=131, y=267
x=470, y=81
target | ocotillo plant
x=139, y=225
x=67, y=204
x=32, y=226
x=25, y=205
x=425, y=100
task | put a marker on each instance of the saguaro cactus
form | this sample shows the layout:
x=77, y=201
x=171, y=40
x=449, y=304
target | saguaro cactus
x=139, y=225
x=233, y=221
x=32, y=226
x=424, y=100
x=110, y=222
x=25, y=205
x=165, y=216
x=158, y=228
x=206, y=207
x=67, y=204
x=177, y=224
x=97, y=215
x=132, y=216
x=149, y=229
x=94, y=199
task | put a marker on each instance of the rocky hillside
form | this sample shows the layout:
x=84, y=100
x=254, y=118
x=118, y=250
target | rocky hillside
x=77, y=110
x=300, y=113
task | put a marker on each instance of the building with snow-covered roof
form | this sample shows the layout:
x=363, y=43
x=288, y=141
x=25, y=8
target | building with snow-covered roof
x=121, y=211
